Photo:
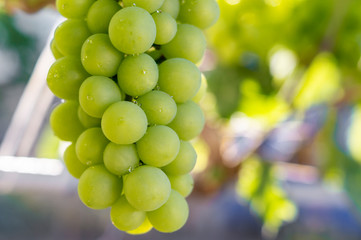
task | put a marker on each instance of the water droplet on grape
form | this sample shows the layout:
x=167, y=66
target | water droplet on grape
x=90, y=41
x=134, y=5
x=144, y=71
x=130, y=169
x=158, y=11
x=90, y=98
x=88, y=163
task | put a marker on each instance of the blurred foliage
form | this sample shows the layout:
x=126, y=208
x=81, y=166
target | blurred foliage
x=294, y=68
x=19, y=47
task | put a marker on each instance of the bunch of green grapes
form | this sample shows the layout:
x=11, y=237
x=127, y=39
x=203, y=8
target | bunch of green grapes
x=127, y=72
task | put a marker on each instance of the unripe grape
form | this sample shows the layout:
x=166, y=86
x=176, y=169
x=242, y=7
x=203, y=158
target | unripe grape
x=124, y=123
x=171, y=7
x=73, y=8
x=147, y=188
x=189, y=121
x=200, y=13
x=97, y=93
x=172, y=215
x=150, y=6
x=70, y=35
x=64, y=121
x=189, y=43
x=99, y=57
x=98, y=188
x=100, y=14
x=90, y=146
x=132, y=30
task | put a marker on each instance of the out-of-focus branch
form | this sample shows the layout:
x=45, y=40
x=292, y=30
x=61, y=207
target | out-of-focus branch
x=29, y=6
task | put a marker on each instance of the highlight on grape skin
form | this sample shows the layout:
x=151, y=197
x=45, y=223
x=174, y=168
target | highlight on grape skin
x=127, y=72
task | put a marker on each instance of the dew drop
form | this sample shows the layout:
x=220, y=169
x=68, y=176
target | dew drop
x=88, y=163
x=130, y=169
x=144, y=71
x=90, y=98
x=158, y=11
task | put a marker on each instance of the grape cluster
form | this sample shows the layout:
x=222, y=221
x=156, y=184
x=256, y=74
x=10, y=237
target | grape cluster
x=127, y=72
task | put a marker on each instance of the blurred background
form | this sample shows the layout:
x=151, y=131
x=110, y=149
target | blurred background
x=280, y=155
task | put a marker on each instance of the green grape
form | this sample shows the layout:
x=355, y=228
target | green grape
x=73, y=8
x=184, y=162
x=171, y=7
x=145, y=227
x=172, y=215
x=202, y=90
x=86, y=120
x=72, y=163
x=98, y=188
x=70, y=35
x=179, y=78
x=166, y=27
x=124, y=216
x=120, y=159
x=150, y=6
x=159, y=107
x=200, y=13
x=137, y=75
x=100, y=14
x=159, y=146
x=189, y=121
x=64, y=121
x=54, y=50
x=97, y=93
x=124, y=123
x=154, y=53
x=65, y=77
x=132, y=30
x=99, y=57
x=90, y=146
x=147, y=188
x=182, y=183
x=189, y=43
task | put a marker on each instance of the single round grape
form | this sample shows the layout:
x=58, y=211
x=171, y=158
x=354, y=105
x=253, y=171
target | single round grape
x=182, y=183
x=87, y=120
x=202, y=90
x=124, y=216
x=124, y=123
x=166, y=27
x=99, y=57
x=171, y=7
x=90, y=146
x=64, y=121
x=184, y=162
x=180, y=78
x=98, y=188
x=97, y=93
x=72, y=163
x=189, y=43
x=159, y=146
x=70, y=35
x=159, y=107
x=200, y=13
x=137, y=75
x=150, y=6
x=189, y=121
x=54, y=50
x=120, y=159
x=100, y=14
x=145, y=227
x=172, y=215
x=132, y=30
x=147, y=188
x=73, y=8
x=65, y=77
